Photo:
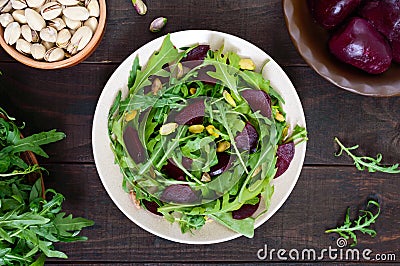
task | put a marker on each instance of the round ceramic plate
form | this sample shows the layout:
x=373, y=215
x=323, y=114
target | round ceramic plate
x=312, y=43
x=111, y=177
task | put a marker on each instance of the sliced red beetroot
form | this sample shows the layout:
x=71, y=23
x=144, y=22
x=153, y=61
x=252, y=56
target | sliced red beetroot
x=133, y=145
x=361, y=45
x=225, y=161
x=259, y=101
x=248, y=138
x=151, y=206
x=173, y=171
x=178, y=193
x=246, y=210
x=192, y=114
x=285, y=153
x=330, y=13
x=198, y=53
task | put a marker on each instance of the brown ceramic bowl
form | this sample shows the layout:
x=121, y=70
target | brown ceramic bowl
x=312, y=43
x=76, y=59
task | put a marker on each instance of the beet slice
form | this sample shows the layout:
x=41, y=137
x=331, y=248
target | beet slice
x=285, y=153
x=151, y=206
x=259, y=101
x=330, y=13
x=198, y=53
x=178, y=193
x=247, y=139
x=133, y=145
x=361, y=45
x=246, y=210
x=225, y=161
x=173, y=171
x=192, y=114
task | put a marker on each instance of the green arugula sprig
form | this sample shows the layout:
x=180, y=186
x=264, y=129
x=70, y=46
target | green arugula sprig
x=361, y=224
x=365, y=162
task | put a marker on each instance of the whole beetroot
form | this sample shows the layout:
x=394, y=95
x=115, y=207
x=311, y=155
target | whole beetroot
x=358, y=43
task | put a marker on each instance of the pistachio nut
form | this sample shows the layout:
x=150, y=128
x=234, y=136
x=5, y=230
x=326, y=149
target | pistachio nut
x=76, y=13
x=139, y=6
x=54, y=54
x=29, y=34
x=72, y=24
x=19, y=16
x=223, y=146
x=63, y=38
x=35, y=3
x=192, y=91
x=12, y=33
x=156, y=86
x=92, y=23
x=94, y=8
x=51, y=10
x=228, y=98
x=34, y=19
x=130, y=115
x=205, y=177
x=158, y=24
x=212, y=131
x=23, y=46
x=81, y=38
x=6, y=19
x=57, y=23
x=38, y=51
x=68, y=2
x=247, y=64
x=6, y=6
x=196, y=129
x=19, y=4
x=279, y=117
x=48, y=45
x=48, y=34
x=168, y=128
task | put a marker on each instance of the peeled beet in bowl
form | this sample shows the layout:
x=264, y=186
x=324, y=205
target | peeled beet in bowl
x=359, y=44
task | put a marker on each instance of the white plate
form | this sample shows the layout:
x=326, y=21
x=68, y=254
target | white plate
x=112, y=178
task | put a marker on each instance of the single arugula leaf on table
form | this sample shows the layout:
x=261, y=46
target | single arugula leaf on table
x=361, y=224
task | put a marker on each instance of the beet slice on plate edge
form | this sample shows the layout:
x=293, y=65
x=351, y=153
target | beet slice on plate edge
x=248, y=138
x=225, y=161
x=180, y=194
x=151, y=206
x=192, y=114
x=133, y=145
x=246, y=210
x=259, y=101
x=198, y=53
x=285, y=153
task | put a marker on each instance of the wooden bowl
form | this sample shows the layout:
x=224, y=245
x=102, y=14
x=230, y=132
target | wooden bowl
x=76, y=59
x=312, y=43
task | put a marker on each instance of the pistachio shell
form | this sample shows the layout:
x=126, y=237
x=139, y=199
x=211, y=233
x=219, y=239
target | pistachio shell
x=6, y=7
x=68, y=2
x=72, y=24
x=34, y=19
x=48, y=45
x=92, y=23
x=29, y=34
x=54, y=54
x=6, y=19
x=35, y=3
x=12, y=33
x=57, y=23
x=51, y=10
x=76, y=13
x=19, y=16
x=48, y=34
x=94, y=8
x=63, y=38
x=38, y=51
x=18, y=4
x=81, y=38
x=23, y=46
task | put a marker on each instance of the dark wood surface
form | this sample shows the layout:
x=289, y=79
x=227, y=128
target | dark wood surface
x=66, y=99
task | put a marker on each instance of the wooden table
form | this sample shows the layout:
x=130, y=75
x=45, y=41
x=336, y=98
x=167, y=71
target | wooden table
x=66, y=99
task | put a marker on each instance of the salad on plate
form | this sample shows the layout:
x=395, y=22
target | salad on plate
x=200, y=136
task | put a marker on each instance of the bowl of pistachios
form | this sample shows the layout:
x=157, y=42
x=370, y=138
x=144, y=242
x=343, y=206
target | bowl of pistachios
x=51, y=34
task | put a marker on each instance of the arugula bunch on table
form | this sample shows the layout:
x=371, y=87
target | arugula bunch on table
x=30, y=224
x=248, y=177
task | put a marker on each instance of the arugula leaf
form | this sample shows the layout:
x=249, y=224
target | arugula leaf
x=244, y=226
x=365, y=162
x=132, y=74
x=362, y=223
